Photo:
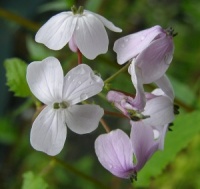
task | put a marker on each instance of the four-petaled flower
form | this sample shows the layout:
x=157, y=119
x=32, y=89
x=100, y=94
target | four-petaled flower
x=151, y=51
x=84, y=30
x=60, y=94
x=124, y=156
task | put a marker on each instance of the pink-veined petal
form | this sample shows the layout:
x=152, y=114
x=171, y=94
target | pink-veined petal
x=81, y=83
x=83, y=119
x=45, y=79
x=160, y=110
x=105, y=22
x=166, y=86
x=57, y=31
x=137, y=79
x=131, y=45
x=143, y=142
x=90, y=36
x=115, y=153
x=49, y=131
x=155, y=59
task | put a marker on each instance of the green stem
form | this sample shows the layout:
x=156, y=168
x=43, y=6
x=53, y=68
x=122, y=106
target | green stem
x=80, y=174
x=117, y=73
x=18, y=19
x=23, y=107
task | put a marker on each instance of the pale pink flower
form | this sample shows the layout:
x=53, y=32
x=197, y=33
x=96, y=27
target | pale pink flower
x=124, y=156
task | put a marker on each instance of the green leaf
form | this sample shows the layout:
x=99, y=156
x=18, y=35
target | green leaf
x=185, y=128
x=183, y=92
x=16, y=77
x=31, y=181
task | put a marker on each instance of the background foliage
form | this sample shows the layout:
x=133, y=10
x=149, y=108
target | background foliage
x=178, y=166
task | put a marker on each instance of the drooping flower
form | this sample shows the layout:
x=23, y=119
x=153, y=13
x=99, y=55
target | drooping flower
x=124, y=156
x=157, y=114
x=153, y=45
x=151, y=51
x=82, y=29
x=60, y=95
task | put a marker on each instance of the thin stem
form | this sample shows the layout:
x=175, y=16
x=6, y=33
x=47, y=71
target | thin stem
x=115, y=114
x=48, y=168
x=105, y=126
x=19, y=20
x=79, y=57
x=80, y=174
x=117, y=73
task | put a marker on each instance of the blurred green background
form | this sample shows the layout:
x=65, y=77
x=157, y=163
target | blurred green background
x=178, y=166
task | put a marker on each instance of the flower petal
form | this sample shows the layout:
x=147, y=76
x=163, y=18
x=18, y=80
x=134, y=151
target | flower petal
x=83, y=119
x=162, y=136
x=49, y=132
x=137, y=79
x=45, y=79
x=80, y=83
x=57, y=31
x=160, y=110
x=143, y=142
x=130, y=46
x=105, y=22
x=115, y=153
x=155, y=59
x=90, y=36
x=166, y=86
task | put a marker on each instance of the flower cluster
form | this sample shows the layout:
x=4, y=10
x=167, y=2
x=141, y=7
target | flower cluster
x=149, y=52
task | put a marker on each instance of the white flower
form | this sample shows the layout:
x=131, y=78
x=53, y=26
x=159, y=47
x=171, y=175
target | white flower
x=84, y=30
x=47, y=82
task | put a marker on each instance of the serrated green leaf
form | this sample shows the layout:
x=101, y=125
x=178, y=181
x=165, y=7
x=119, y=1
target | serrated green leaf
x=184, y=129
x=31, y=181
x=16, y=77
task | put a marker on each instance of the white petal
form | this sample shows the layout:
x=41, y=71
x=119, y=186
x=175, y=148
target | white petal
x=131, y=45
x=90, y=36
x=115, y=153
x=57, y=31
x=49, y=132
x=45, y=79
x=83, y=119
x=106, y=22
x=136, y=77
x=80, y=83
x=160, y=110
x=166, y=86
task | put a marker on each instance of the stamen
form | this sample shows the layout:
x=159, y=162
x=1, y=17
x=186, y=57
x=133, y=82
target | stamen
x=74, y=9
x=170, y=32
x=133, y=177
x=77, y=11
x=80, y=10
x=58, y=105
x=136, y=116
